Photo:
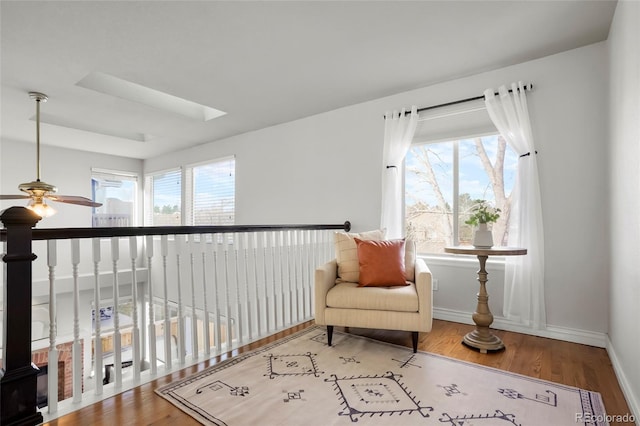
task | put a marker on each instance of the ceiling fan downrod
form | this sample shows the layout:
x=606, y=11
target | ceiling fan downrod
x=39, y=97
x=37, y=190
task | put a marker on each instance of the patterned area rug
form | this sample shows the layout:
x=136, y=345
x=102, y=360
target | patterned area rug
x=299, y=380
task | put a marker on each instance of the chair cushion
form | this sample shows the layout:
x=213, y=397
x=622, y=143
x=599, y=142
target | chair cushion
x=350, y=296
x=347, y=253
x=381, y=263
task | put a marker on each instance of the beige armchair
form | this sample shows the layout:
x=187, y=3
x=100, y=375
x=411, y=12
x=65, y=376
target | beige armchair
x=344, y=303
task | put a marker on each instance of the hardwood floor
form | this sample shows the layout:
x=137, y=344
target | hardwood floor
x=572, y=364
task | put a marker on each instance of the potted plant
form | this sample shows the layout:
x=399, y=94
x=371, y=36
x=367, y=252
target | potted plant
x=481, y=214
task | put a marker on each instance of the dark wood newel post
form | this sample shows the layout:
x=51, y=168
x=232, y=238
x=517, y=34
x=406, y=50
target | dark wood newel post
x=18, y=376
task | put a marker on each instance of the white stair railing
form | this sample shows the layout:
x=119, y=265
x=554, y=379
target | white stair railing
x=209, y=292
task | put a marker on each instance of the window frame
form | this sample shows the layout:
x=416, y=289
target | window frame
x=455, y=208
x=122, y=176
x=187, y=189
x=149, y=195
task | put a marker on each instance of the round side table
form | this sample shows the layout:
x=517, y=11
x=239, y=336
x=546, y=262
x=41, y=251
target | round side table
x=482, y=338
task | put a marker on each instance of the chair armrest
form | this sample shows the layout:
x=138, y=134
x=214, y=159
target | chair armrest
x=424, y=283
x=324, y=280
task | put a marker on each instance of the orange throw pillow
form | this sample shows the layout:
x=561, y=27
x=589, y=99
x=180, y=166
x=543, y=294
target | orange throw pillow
x=381, y=263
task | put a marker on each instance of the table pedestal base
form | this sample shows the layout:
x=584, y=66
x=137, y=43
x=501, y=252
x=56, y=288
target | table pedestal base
x=475, y=339
x=481, y=338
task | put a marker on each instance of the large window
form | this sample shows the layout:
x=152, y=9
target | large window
x=442, y=181
x=211, y=192
x=117, y=191
x=200, y=194
x=164, y=191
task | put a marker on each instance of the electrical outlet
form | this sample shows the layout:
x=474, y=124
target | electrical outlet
x=435, y=285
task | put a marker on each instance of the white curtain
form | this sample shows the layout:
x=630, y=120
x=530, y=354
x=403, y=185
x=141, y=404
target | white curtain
x=524, y=275
x=399, y=129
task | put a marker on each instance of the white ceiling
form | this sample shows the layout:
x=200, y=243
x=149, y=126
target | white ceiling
x=263, y=62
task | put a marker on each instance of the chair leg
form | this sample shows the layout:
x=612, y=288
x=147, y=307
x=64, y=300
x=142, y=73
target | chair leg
x=329, y=334
x=414, y=340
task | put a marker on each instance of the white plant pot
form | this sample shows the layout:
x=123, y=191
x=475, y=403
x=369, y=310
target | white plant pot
x=483, y=238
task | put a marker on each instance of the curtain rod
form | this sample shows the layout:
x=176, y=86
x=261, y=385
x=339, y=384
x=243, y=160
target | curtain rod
x=461, y=101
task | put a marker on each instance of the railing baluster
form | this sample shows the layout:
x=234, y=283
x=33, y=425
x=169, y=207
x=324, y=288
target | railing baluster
x=206, y=325
x=194, y=314
x=296, y=258
x=245, y=251
x=153, y=356
x=290, y=274
x=308, y=269
x=304, y=277
x=327, y=247
x=274, y=299
x=277, y=281
x=282, y=268
x=253, y=238
x=296, y=276
x=180, y=241
x=164, y=252
x=216, y=271
x=325, y=252
x=117, y=337
x=225, y=245
x=97, y=345
x=238, y=288
x=77, y=346
x=52, y=385
x=304, y=272
x=301, y=275
x=262, y=245
x=267, y=295
x=135, y=349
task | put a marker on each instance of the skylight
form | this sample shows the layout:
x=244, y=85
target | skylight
x=114, y=86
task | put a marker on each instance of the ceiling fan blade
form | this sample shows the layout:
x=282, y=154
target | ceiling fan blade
x=13, y=197
x=73, y=199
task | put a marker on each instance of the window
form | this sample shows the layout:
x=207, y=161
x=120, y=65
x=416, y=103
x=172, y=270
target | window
x=209, y=195
x=117, y=191
x=211, y=192
x=442, y=180
x=164, y=199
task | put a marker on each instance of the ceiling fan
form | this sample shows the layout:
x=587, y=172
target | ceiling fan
x=38, y=190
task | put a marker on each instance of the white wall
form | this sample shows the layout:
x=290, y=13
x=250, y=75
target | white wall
x=624, y=139
x=327, y=168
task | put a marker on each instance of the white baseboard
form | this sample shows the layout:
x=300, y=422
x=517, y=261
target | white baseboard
x=552, y=332
x=633, y=400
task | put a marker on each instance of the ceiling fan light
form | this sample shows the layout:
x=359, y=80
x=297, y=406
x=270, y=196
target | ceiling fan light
x=41, y=208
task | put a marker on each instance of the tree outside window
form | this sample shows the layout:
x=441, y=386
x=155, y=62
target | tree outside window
x=166, y=198
x=442, y=182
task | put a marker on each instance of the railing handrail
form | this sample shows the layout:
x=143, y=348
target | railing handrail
x=134, y=231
